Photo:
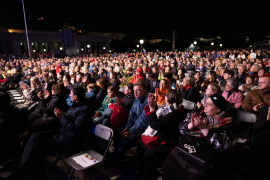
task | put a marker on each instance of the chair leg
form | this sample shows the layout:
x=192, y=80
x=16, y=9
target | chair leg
x=72, y=173
x=68, y=172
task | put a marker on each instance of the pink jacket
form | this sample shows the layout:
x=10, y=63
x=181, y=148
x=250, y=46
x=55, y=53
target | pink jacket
x=236, y=98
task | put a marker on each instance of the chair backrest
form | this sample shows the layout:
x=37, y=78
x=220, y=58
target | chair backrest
x=103, y=132
x=189, y=105
x=188, y=75
x=246, y=116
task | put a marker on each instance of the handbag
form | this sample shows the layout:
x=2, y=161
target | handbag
x=149, y=141
x=198, y=152
x=119, y=116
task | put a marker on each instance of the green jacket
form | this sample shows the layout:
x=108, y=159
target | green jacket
x=105, y=104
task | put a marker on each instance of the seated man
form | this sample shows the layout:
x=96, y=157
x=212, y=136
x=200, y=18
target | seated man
x=154, y=83
x=188, y=91
x=257, y=98
x=126, y=137
x=228, y=74
x=76, y=126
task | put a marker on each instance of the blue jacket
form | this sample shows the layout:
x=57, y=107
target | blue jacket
x=91, y=96
x=77, y=124
x=137, y=119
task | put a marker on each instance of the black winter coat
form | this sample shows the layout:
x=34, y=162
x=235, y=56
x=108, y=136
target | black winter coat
x=128, y=101
x=167, y=126
x=47, y=108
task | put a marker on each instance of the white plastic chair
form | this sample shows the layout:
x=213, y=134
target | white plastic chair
x=104, y=133
x=189, y=105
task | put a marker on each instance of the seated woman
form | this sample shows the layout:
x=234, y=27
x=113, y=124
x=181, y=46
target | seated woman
x=233, y=96
x=108, y=100
x=124, y=105
x=30, y=94
x=212, y=78
x=248, y=86
x=213, y=128
x=163, y=122
x=180, y=77
x=102, y=92
x=188, y=91
x=49, y=121
x=114, y=80
x=161, y=92
x=197, y=81
x=212, y=88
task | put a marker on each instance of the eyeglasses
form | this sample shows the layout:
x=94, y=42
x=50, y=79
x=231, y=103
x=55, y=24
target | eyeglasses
x=262, y=83
x=207, y=104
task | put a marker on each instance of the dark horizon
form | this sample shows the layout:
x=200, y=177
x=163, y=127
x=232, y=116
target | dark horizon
x=141, y=19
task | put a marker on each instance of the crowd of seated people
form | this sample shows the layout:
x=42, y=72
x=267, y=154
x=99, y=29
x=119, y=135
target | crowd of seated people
x=139, y=96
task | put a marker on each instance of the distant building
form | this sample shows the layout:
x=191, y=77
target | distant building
x=14, y=41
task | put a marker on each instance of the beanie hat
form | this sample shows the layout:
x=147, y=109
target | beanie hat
x=219, y=101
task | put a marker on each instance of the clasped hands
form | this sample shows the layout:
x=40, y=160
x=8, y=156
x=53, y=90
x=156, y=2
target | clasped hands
x=197, y=122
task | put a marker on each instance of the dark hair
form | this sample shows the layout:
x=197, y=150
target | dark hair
x=168, y=75
x=165, y=81
x=115, y=78
x=102, y=82
x=67, y=77
x=251, y=77
x=59, y=89
x=130, y=86
x=113, y=89
x=88, y=77
x=79, y=92
x=153, y=76
x=4, y=101
x=213, y=76
x=173, y=96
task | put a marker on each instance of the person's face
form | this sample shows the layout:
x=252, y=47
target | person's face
x=179, y=72
x=111, y=76
x=228, y=88
x=72, y=96
x=210, y=108
x=110, y=93
x=167, y=69
x=33, y=82
x=209, y=91
x=197, y=76
x=78, y=78
x=127, y=91
x=226, y=76
x=252, y=69
x=261, y=73
x=185, y=83
x=50, y=74
x=162, y=85
x=249, y=81
x=154, y=70
x=73, y=81
x=263, y=84
x=241, y=70
x=53, y=91
x=138, y=91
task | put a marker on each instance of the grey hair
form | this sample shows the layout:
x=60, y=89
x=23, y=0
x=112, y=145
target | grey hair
x=233, y=83
x=188, y=79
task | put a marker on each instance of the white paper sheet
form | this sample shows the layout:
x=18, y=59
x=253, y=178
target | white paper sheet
x=85, y=161
x=241, y=140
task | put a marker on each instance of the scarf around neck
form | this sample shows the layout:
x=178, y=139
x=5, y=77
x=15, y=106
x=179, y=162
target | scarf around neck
x=213, y=122
x=163, y=110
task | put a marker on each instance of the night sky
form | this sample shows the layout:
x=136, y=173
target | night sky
x=141, y=18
